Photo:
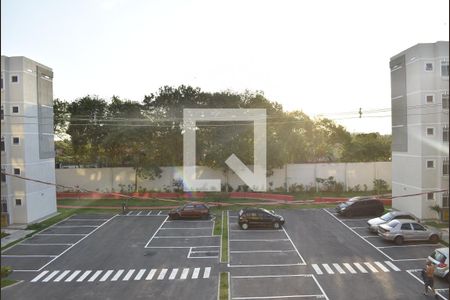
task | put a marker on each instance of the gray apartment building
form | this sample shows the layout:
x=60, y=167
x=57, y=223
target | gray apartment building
x=420, y=104
x=27, y=146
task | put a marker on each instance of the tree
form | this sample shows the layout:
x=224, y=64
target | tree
x=60, y=117
x=368, y=147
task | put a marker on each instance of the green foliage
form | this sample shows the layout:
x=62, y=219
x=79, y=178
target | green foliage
x=3, y=234
x=365, y=147
x=5, y=271
x=380, y=186
x=330, y=185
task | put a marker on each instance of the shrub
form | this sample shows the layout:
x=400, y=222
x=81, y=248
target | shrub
x=380, y=185
x=5, y=271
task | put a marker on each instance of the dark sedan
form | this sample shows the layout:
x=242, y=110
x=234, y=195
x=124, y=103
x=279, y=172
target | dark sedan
x=258, y=217
x=190, y=211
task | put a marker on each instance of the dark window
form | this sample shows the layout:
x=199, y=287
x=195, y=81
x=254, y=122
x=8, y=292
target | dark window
x=3, y=177
x=445, y=101
x=16, y=140
x=430, y=98
x=16, y=171
x=445, y=134
x=15, y=109
x=430, y=196
x=408, y=217
x=430, y=131
x=418, y=227
x=406, y=226
x=445, y=199
x=1, y=84
x=18, y=202
x=14, y=78
x=429, y=67
x=444, y=68
x=2, y=114
x=3, y=145
x=445, y=167
x=4, y=207
x=430, y=164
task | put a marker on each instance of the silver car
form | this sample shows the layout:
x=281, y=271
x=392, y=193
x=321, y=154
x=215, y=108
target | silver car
x=439, y=258
x=392, y=215
x=406, y=230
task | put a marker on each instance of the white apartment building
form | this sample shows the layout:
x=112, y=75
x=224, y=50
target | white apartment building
x=27, y=146
x=420, y=104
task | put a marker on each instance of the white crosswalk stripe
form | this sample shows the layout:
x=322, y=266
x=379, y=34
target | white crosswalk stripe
x=328, y=268
x=393, y=267
x=360, y=268
x=381, y=266
x=339, y=269
x=115, y=275
x=350, y=268
x=371, y=268
x=317, y=269
x=363, y=267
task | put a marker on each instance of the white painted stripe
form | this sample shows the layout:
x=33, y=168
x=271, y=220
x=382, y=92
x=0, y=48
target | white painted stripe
x=349, y=267
x=371, y=268
x=272, y=276
x=173, y=274
x=195, y=273
x=258, y=240
x=140, y=274
x=148, y=214
x=361, y=268
x=128, y=275
x=317, y=269
x=96, y=274
x=207, y=272
x=61, y=276
x=72, y=277
x=317, y=296
x=185, y=273
x=39, y=276
x=162, y=274
x=150, y=274
x=407, y=246
x=258, y=251
x=393, y=267
x=339, y=269
x=139, y=213
x=83, y=277
x=49, y=277
x=55, y=244
x=129, y=213
x=117, y=275
x=22, y=256
x=328, y=269
x=106, y=275
x=382, y=267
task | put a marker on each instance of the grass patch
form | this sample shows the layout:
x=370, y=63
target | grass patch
x=223, y=293
x=7, y=282
x=4, y=234
x=224, y=248
x=218, y=223
x=437, y=224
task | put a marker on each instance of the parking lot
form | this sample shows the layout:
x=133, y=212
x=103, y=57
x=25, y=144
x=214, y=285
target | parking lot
x=143, y=254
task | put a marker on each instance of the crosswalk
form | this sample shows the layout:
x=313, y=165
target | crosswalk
x=347, y=268
x=122, y=275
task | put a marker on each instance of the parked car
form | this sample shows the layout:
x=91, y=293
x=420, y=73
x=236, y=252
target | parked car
x=191, y=211
x=387, y=217
x=439, y=258
x=361, y=206
x=258, y=217
x=406, y=230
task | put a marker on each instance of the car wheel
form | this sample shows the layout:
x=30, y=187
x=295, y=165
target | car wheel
x=244, y=226
x=398, y=240
x=276, y=225
x=434, y=239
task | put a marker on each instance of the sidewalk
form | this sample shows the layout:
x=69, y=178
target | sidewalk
x=14, y=235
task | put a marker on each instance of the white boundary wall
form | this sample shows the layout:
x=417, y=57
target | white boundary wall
x=115, y=179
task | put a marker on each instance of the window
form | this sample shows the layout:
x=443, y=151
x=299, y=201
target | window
x=430, y=164
x=2, y=113
x=445, y=101
x=418, y=227
x=18, y=202
x=429, y=67
x=444, y=68
x=406, y=226
x=4, y=207
x=16, y=171
x=3, y=144
x=445, y=167
x=445, y=199
x=15, y=109
x=429, y=98
x=14, y=78
x=430, y=131
x=1, y=83
x=445, y=133
x=16, y=140
x=430, y=196
x=3, y=176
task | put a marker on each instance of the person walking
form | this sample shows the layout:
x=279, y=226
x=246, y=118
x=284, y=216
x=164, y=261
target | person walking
x=428, y=274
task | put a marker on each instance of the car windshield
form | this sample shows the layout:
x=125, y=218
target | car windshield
x=270, y=212
x=393, y=223
x=387, y=217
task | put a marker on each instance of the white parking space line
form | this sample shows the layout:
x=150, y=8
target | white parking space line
x=156, y=232
x=83, y=277
x=184, y=228
x=159, y=212
x=61, y=276
x=182, y=236
x=324, y=295
x=62, y=234
x=148, y=214
x=262, y=251
x=259, y=240
x=139, y=213
x=117, y=275
x=358, y=227
x=96, y=274
x=360, y=268
x=55, y=244
x=151, y=274
x=39, y=276
x=27, y=255
x=128, y=275
x=382, y=267
x=49, y=277
x=173, y=274
x=393, y=267
x=162, y=274
x=106, y=275
x=328, y=268
x=140, y=274
x=438, y=291
x=279, y=297
x=72, y=277
x=317, y=269
x=129, y=213
x=349, y=268
x=407, y=246
x=207, y=272
x=185, y=273
x=195, y=273
x=371, y=268
x=339, y=269
x=76, y=226
x=83, y=220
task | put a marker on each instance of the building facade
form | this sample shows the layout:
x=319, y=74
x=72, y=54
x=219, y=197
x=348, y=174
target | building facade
x=420, y=104
x=27, y=146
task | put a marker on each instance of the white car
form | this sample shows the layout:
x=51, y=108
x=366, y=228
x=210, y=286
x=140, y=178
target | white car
x=392, y=215
x=439, y=258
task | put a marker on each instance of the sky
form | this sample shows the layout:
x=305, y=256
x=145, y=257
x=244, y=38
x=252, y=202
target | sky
x=326, y=58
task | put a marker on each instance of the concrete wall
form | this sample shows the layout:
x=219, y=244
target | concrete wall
x=115, y=179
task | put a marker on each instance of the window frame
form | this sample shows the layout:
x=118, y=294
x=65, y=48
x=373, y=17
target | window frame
x=15, y=76
x=441, y=64
x=425, y=66
x=433, y=161
x=432, y=133
x=445, y=167
x=432, y=98
x=445, y=133
x=13, y=108
x=17, y=171
x=442, y=100
x=432, y=196
x=20, y=202
x=18, y=141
